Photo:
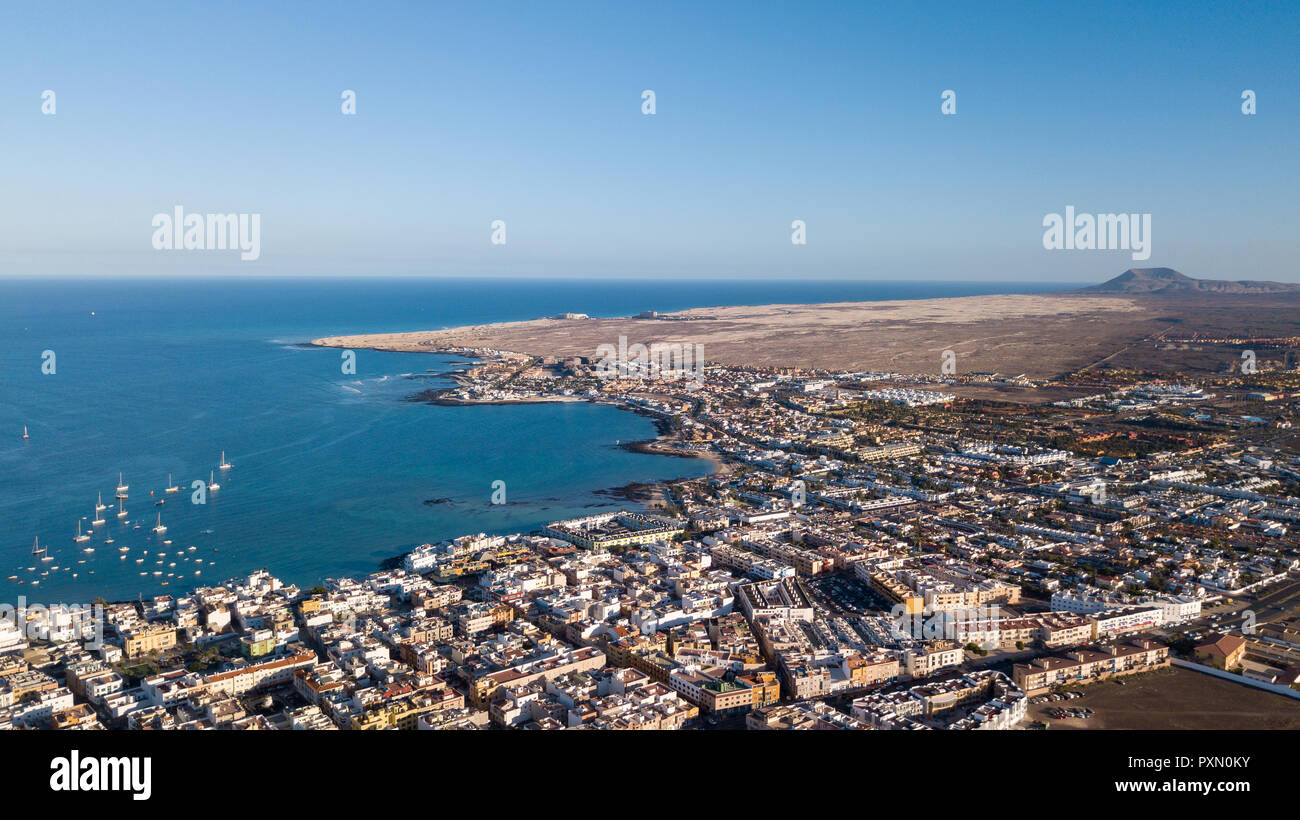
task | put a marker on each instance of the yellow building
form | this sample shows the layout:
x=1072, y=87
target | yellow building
x=150, y=639
x=766, y=686
x=898, y=592
x=1225, y=653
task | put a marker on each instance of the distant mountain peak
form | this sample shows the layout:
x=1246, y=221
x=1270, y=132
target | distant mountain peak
x=1170, y=281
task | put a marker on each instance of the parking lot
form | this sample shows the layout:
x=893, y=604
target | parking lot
x=844, y=594
x=1059, y=706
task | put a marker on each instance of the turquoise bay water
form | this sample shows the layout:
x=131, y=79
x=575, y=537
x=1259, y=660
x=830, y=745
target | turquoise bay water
x=332, y=471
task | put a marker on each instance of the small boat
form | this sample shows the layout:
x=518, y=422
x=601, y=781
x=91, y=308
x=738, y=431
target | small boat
x=140, y=561
x=212, y=482
x=81, y=537
x=224, y=465
x=88, y=549
x=123, y=549
x=108, y=540
x=159, y=502
x=99, y=505
x=167, y=542
x=13, y=577
x=171, y=488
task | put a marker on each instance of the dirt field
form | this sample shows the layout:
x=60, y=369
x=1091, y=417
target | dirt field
x=1175, y=699
x=1040, y=335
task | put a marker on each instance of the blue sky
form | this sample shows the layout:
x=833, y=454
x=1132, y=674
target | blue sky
x=766, y=113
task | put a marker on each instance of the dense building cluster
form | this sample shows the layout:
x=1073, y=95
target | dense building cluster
x=868, y=555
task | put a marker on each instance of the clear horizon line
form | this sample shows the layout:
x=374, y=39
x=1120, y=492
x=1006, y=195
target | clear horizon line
x=524, y=277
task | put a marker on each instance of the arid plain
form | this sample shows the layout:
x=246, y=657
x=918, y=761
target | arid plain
x=1042, y=335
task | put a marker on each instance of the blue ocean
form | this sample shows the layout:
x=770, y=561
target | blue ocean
x=332, y=473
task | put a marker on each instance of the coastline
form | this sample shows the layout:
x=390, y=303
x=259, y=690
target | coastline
x=651, y=495
x=1038, y=334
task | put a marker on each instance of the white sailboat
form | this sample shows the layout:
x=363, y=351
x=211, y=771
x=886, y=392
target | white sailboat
x=160, y=529
x=121, y=511
x=81, y=537
x=37, y=549
x=98, y=520
x=224, y=465
x=212, y=481
x=122, y=487
x=170, y=488
x=99, y=505
x=25, y=436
